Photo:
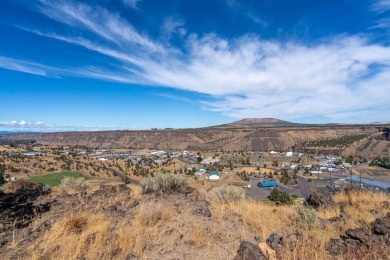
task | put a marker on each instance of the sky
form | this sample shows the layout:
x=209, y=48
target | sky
x=69, y=65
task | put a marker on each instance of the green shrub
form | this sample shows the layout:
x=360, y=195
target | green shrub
x=307, y=216
x=229, y=194
x=280, y=196
x=165, y=183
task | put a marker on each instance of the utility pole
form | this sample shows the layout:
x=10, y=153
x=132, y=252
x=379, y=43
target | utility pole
x=351, y=178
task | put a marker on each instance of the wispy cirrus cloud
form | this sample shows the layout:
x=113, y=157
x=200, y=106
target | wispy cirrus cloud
x=114, y=29
x=23, y=66
x=131, y=3
x=246, y=76
x=381, y=6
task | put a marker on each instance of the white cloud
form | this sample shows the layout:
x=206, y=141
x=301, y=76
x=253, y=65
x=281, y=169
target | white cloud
x=131, y=3
x=172, y=26
x=381, y=6
x=22, y=66
x=114, y=28
x=247, y=76
x=39, y=126
x=21, y=123
x=257, y=20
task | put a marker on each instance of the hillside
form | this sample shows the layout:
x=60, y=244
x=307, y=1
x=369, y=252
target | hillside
x=368, y=139
x=119, y=222
x=258, y=122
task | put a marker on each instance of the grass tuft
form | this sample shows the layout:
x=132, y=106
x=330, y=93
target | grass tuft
x=165, y=183
x=230, y=194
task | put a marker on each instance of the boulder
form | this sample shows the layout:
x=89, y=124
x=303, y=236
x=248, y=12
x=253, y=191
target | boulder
x=274, y=239
x=336, y=247
x=317, y=199
x=249, y=251
x=382, y=226
x=358, y=234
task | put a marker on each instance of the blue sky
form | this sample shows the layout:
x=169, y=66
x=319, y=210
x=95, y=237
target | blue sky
x=138, y=64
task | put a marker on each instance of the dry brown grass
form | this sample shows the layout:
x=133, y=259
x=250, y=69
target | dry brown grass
x=91, y=235
x=358, y=206
x=264, y=218
x=329, y=213
x=168, y=223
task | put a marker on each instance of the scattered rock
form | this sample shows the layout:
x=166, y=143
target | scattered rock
x=249, y=251
x=382, y=226
x=374, y=212
x=336, y=247
x=133, y=204
x=112, y=208
x=131, y=256
x=290, y=240
x=274, y=239
x=385, y=204
x=202, y=211
x=358, y=234
x=115, y=252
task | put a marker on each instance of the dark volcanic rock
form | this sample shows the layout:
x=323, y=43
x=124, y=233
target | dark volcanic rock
x=358, y=234
x=382, y=225
x=249, y=251
x=336, y=247
x=274, y=239
x=317, y=199
x=17, y=209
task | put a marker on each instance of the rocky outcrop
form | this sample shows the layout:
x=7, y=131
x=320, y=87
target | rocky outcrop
x=18, y=208
x=320, y=199
x=360, y=239
x=382, y=226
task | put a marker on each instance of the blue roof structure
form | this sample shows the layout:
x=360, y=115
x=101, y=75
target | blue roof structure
x=268, y=184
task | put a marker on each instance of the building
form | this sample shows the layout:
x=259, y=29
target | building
x=268, y=184
x=214, y=175
x=210, y=161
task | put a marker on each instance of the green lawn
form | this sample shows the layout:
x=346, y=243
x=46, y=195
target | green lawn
x=54, y=179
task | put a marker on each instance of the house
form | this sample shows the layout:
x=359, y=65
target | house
x=214, y=175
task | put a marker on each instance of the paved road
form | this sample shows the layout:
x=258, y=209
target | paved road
x=303, y=187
